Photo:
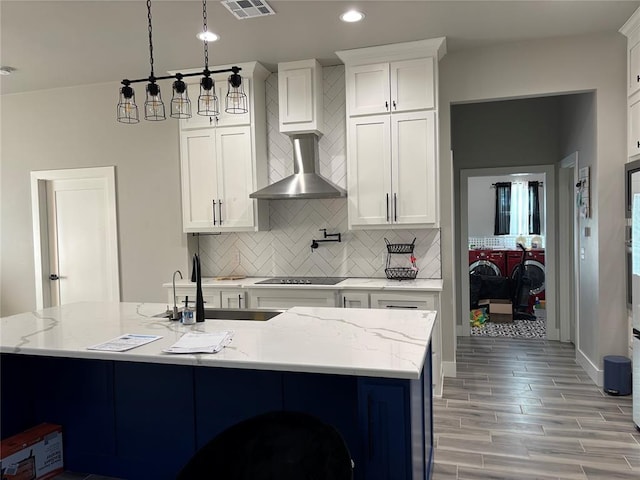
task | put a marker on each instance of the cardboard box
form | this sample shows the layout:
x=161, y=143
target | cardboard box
x=499, y=310
x=35, y=454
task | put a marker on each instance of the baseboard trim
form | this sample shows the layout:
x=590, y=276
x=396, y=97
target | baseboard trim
x=593, y=371
x=448, y=369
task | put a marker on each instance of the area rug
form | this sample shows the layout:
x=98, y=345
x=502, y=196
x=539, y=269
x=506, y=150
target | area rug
x=518, y=329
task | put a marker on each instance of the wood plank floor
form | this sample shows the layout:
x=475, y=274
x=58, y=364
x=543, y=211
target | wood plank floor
x=523, y=409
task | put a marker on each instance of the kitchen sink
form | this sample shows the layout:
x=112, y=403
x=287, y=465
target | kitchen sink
x=257, y=315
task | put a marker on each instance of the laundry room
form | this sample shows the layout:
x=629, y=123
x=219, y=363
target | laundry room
x=506, y=231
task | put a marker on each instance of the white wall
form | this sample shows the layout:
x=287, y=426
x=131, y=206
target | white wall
x=76, y=127
x=525, y=69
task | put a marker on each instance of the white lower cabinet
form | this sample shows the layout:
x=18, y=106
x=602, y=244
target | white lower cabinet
x=213, y=298
x=418, y=301
x=288, y=298
x=233, y=298
x=355, y=299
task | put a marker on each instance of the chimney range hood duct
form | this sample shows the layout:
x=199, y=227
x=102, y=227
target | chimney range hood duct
x=305, y=182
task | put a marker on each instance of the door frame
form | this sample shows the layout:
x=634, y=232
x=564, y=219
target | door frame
x=553, y=332
x=568, y=261
x=39, y=216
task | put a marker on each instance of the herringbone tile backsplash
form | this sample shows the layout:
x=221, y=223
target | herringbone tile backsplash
x=285, y=250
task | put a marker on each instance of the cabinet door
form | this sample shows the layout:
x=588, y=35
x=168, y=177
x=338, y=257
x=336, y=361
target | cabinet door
x=369, y=170
x=295, y=95
x=233, y=299
x=412, y=85
x=368, y=89
x=355, y=300
x=211, y=300
x=196, y=121
x=633, y=136
x=198, y=171
x=224, y=119
x=634, y=69
x=234, y=178
x=414, y=182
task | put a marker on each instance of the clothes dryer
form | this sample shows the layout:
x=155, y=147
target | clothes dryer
x=488, y=262
x=534, y=263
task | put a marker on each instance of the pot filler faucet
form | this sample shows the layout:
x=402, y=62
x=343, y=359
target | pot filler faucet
x=328, y=237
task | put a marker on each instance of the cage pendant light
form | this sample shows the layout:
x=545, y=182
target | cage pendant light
x=127, y=108
x=208, y=100
x=153, y=105
x=236, y=101
x=180, y=103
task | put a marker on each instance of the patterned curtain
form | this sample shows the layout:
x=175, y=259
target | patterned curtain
x=503, y=209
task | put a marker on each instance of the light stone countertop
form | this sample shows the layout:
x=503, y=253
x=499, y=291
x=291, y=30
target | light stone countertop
x=343, y=341
x=417, y=285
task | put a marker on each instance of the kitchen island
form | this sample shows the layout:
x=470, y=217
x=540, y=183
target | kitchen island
x=143, y=413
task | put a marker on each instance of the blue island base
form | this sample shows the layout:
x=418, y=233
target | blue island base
x=145, y=420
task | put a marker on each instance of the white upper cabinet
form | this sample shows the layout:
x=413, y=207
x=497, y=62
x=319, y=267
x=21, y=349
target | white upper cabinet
x=300, y=97
x=392, y=170
x=223, y=118
x=634, y=66
x=391, y=87
x=223, y=160
x=392, y=149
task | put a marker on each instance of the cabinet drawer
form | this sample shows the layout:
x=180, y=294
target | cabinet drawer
x=289, y=298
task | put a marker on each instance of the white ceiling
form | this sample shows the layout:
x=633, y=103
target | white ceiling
x=64, y=43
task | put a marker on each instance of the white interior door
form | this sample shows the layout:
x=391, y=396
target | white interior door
x=75, y=236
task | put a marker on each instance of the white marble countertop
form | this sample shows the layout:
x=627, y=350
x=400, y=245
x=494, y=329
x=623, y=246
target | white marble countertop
x=343, y=341
x=417, y=285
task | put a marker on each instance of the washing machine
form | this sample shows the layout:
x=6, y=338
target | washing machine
x=488, y=262
x=534, y=263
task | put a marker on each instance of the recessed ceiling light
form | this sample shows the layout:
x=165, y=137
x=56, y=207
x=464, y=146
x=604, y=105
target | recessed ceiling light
x=208, y=36
x=7, y=70
x=352, y=16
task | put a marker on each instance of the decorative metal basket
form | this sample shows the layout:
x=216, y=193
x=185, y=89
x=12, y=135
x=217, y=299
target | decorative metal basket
x=401, y=273
x=400, y=247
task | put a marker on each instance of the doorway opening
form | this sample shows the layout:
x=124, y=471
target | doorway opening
x=506, y=214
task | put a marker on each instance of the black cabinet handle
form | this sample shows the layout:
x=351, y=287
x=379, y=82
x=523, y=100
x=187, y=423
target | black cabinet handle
x=344, y=302
x=220, y=210
x=387, y=207
x=394, y=105
x=386, y=105
x=400, y=306
x=638, y=79
x=639, y=144
x=395, y=207
x=53, y=276
x=239, y=300
x=214, y=212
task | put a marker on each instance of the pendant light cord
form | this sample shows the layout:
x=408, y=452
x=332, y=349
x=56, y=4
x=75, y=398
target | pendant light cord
x=152, y=77
x=204, y=30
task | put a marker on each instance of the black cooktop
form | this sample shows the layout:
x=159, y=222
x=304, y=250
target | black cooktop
x=301, y=281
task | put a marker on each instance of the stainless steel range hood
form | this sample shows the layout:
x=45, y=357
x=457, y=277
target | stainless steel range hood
x=305, y=182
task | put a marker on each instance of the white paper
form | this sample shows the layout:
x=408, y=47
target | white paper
x=125, y=342
x=198, y=342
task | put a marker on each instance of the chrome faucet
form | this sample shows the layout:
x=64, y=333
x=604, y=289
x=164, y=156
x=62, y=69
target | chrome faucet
x=174, y=315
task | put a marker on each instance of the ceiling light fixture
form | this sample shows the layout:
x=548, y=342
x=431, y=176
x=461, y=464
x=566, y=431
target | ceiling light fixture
x=208, y=36
x=352, y=16
x=180, y=104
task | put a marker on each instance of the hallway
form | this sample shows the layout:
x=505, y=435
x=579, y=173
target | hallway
x=523, y=409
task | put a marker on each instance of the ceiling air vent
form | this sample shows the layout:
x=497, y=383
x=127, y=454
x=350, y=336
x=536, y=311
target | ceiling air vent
x=242, y=9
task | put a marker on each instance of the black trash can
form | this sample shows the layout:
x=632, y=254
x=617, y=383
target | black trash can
x=617, y=375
